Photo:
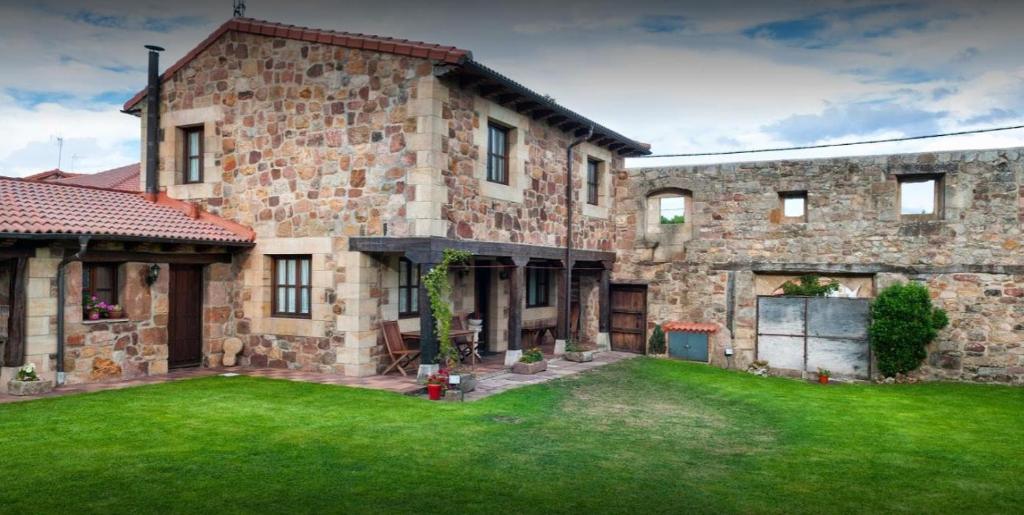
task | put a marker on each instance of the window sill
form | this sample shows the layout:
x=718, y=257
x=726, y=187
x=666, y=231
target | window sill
x=106, y=321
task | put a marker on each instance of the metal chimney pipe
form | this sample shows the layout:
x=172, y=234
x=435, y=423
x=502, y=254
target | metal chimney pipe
x=153, y=122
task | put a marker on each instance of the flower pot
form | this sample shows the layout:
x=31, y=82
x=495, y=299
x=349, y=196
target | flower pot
x=434, y=391
x=117, y=314
x=582, y=356
x=94, y=315
x=823, y=379
x=529, y=368
x=39, y=387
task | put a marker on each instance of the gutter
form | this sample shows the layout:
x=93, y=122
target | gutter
x=83, y=243
x=567, y=307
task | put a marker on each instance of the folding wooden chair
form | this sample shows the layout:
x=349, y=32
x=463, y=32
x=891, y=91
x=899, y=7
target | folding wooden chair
x=401, y=355
x=463, y=344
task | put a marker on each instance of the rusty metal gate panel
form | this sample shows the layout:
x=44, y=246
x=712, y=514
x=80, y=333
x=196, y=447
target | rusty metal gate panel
x=807, y=333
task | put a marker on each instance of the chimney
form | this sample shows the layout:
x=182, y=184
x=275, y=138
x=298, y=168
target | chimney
x=153, y=123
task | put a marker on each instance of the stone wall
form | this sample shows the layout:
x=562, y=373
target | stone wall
x=970, y=257
x=311, y=144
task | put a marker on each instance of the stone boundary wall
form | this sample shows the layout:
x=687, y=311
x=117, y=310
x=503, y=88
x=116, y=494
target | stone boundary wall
x=970, y=258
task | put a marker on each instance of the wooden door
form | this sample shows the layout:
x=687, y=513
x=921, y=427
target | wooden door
x=185, y=321
x=628, y=317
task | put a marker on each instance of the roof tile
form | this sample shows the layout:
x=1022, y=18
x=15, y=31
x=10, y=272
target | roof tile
x=689, y=327
x=31, y=207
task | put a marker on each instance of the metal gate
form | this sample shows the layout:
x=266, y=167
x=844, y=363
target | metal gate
x=807, y=333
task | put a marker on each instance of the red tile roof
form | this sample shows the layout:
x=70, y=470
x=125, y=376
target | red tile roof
x=445, y=54
x=124, y=178
x=48, y=208
x=50, y=175
x=689, y=327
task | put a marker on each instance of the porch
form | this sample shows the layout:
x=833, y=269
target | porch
x=519, y=291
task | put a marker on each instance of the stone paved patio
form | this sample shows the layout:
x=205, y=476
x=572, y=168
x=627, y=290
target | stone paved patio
x=497, y=382
x=494, y=378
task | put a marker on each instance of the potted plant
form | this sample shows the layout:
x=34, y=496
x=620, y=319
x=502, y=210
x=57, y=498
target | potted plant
x=475, y=321
x=531, y=362
x=575, y=352
x=823, y=375
x=94, y=308
x=436, y=384
x=27, y=382
x=116, y=311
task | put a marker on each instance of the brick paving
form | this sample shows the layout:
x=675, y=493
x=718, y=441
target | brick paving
x=493, y=378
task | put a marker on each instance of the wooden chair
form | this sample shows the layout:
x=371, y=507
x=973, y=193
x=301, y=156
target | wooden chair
x=401, y=354
x=462, y=344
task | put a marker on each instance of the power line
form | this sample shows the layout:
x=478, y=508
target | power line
x=847, y=144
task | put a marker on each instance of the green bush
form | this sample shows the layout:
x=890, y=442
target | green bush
x=809, y=286
x=532, y=356
x=656, y=343
x=903, y=323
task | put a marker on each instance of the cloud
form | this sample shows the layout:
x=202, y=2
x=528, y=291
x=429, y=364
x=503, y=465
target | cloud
x=856, y=119
x=829, y=28
x=993, y=115
x=662, y=24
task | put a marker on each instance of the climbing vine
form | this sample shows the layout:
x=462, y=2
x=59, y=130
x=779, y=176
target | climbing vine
x=438, y=291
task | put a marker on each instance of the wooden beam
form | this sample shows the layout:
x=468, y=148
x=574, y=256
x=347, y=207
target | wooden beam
x=516, y=289
x=555, y=119
x=17, y=328
x=117, y=256
x=429, y=248
x=507, y=98
x=16, y=252
x=542, y=113
x=488, y=90
x=468, y=81
x=604, y=322
x=428, y=340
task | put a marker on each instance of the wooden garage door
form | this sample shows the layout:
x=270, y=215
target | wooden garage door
x=629, y=317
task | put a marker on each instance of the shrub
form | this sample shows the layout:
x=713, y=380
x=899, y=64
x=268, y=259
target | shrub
x=677, y=219
x=903, y=323
x=532, y=356
x=656, y=343
x=809, y=286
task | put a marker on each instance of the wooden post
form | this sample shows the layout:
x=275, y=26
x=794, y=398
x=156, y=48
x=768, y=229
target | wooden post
x=428, y=338
x=605, y=313
x=516, y=290
x=562, y=324
x=14, y=351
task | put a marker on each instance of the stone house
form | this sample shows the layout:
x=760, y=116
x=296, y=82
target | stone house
x=952, y=220
x=343, y=165
x=298, y=182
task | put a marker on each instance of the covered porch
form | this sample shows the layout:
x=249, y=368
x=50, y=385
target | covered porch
x=519, y=291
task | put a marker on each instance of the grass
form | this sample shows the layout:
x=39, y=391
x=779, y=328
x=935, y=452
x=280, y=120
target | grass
x=642, y=435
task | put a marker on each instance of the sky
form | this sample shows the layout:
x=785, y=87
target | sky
x=683, y=76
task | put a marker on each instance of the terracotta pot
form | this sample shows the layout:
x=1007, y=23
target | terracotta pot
x=823, y=379
x=117, y=314
x=434, y=391
x=94, y=315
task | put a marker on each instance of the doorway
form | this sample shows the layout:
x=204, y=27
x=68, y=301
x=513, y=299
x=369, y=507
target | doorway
x=628, y=317
x=185, y=320
x=482, y=297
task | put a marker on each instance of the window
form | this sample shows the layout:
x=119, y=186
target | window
x=408, y=289
x=672, y=210
x=193, y=154
x=292, y=290
x=593, y=181
x=920, y=197
x=497, y=153
x=538, y=287
x=100, y=280
x=794, y=205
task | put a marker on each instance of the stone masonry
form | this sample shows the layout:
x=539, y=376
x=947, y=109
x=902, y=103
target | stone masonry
x=970, y=258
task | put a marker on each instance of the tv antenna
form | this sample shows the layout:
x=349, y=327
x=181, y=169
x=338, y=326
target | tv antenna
x=60, y=150
x=239, y=8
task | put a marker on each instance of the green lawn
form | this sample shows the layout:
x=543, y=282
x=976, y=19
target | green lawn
x=642, y=435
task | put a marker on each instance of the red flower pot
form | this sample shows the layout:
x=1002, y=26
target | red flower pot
x=434, y=391
x=823, y=379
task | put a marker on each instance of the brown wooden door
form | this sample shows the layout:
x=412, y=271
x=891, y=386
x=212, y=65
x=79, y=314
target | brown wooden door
x=185, y=321
x=629, y=317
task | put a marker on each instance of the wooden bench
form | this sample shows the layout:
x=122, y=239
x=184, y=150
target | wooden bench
x=533, y=331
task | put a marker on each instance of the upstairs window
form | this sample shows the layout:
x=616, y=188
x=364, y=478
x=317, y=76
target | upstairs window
x=292, y=289
x=538, y=287
x=920, y=197
x=408, y=289
x=593, y=181
x=193, y=154
x=794, y=205
x=672, y=210
x=497, y=153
